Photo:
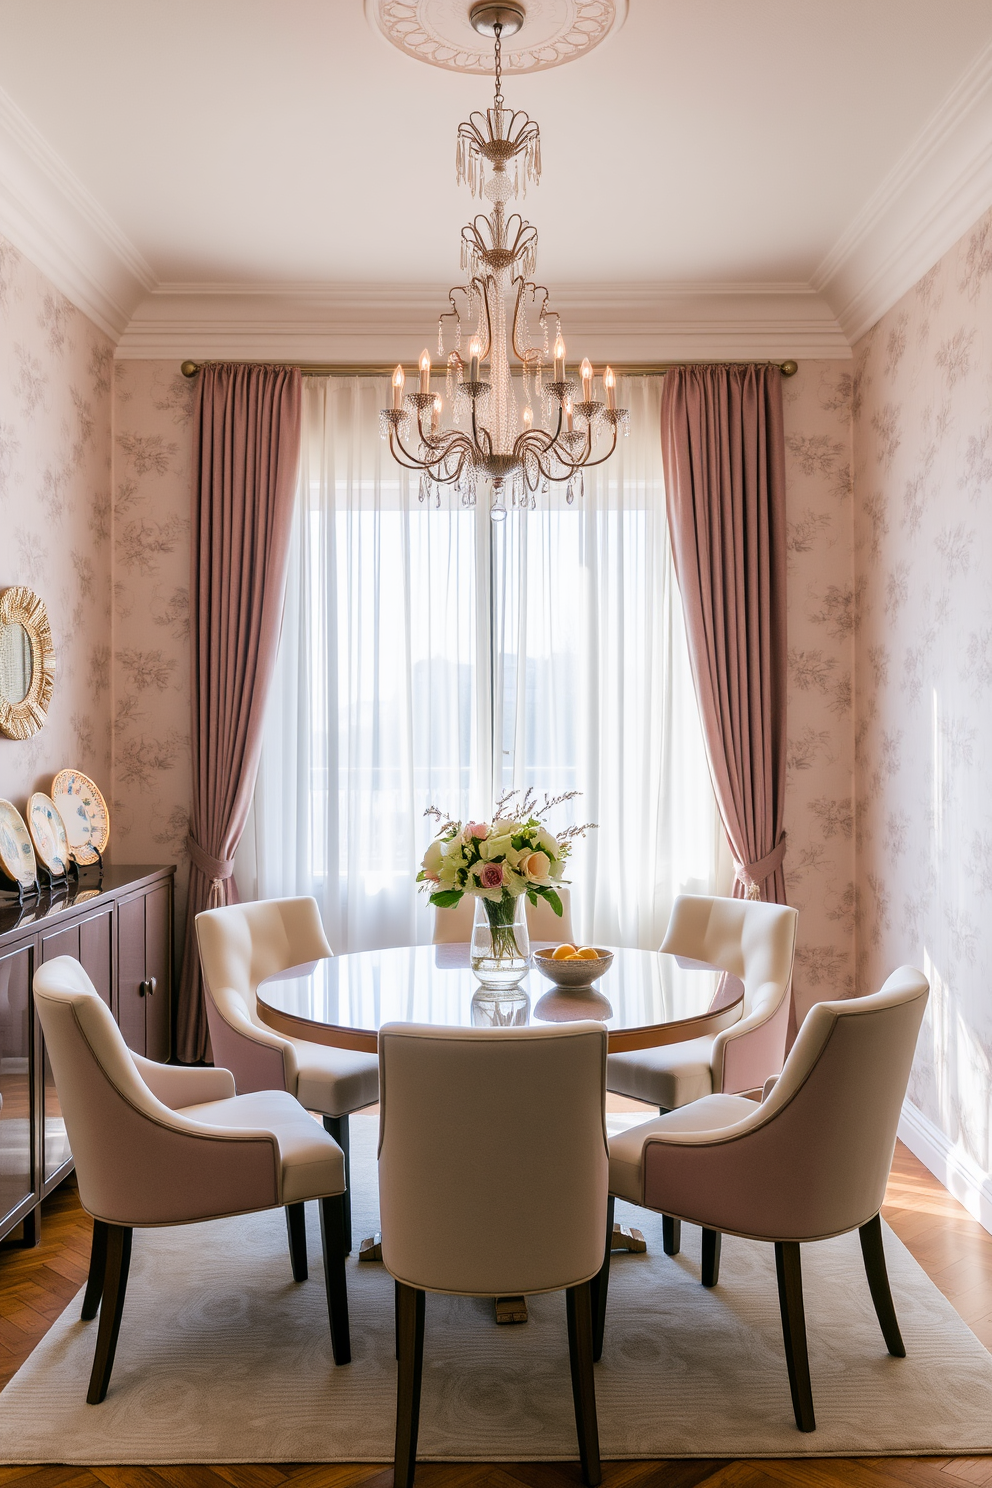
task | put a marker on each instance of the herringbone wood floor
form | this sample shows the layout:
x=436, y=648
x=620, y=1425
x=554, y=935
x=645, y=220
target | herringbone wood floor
x=35, y=1286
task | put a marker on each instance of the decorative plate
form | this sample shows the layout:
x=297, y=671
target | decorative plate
x=84, y=811
x=16, y=852
x=48, y=834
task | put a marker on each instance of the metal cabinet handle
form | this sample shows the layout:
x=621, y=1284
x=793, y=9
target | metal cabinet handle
x=151, y=984
x=141, y=989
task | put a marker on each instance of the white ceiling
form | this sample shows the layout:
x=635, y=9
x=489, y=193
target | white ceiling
x=286, y=144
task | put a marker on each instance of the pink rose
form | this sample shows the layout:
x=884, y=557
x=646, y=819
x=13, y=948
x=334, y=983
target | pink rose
x=478, y=830
x=536, y=866
x=491, y=876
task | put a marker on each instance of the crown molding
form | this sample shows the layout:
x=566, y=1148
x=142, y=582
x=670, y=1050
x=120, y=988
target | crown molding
x=935, y=192
x=48, y=214
x=367, y=322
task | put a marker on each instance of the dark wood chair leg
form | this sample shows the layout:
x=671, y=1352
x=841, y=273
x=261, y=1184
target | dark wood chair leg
x=578, y=1312
x=878, y=1285
x=335, y=1282
x=711, y=1257
x=32, y=1227
x=409, y=1374
x=98, y=1266
x=671, y=1234
x=600, y=1286
x=788, y=1268
x=114, y=1287
x=338, y=1128
x=296, y=1228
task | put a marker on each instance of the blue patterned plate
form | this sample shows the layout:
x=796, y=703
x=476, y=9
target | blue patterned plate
x=16, y=852
x=48, y=834
x=84, y=811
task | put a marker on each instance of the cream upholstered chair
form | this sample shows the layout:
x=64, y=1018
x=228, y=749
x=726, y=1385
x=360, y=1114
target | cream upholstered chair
x=544, y=924
x=752, y=941
x=454, y=926
x=809, y=1162
x=492, y=1141
x=158, y=1144
x=241, y=945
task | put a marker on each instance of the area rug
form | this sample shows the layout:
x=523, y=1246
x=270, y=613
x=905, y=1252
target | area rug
x=222, y=1358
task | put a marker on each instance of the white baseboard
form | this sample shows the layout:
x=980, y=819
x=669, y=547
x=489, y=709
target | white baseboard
x=958, y=1172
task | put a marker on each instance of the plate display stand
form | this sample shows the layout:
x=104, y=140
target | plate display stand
x=53, y=881
x=78, y=869
x=17, y=886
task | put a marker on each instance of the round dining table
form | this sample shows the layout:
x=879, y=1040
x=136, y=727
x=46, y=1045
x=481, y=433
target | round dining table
x=646, y=998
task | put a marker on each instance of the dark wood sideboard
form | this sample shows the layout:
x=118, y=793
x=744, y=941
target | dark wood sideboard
x=122, y=932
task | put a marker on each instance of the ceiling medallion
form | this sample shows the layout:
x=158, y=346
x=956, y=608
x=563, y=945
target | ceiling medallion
x=512, y=450
x=440, y=32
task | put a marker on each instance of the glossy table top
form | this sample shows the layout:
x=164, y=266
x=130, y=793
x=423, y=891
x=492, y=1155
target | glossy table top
x=645, y=998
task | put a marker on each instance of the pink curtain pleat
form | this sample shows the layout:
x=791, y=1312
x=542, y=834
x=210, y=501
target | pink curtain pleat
x=724, y=459
x=245, y=460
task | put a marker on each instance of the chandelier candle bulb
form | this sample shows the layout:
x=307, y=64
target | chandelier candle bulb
x=610, y=384
x=559, y=359
x=425, y=371
x=473, y=351
x=586, y=372
x=436, y=413
x=568, y=415
x=399, y=378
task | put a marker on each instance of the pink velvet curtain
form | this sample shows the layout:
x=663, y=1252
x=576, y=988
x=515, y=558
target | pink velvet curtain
x=245, y=460
x=724, y=457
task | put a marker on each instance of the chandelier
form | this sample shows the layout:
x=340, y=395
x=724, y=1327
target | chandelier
x=491, y=439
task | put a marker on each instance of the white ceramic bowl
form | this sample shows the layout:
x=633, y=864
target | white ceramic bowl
x=573, y=973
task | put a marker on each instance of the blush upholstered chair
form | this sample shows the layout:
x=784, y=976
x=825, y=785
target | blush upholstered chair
x=158, y=1144
x=752, y=941
x=492, y=1182
x=242, y=944
x=809, y=1162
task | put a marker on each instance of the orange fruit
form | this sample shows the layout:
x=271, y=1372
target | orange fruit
x=560, y=952
x=588, y=953
x=574, y=957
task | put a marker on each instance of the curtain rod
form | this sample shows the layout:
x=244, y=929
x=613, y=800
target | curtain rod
x=373, y=369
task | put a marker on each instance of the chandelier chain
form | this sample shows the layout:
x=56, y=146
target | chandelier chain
x=498, y=29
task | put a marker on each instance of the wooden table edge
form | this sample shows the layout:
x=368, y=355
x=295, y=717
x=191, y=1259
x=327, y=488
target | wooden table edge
x=620, y=1041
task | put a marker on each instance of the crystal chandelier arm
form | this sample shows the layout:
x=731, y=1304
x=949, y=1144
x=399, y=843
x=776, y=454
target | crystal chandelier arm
x=584, y=462
x=529, y=355
x=411, y=462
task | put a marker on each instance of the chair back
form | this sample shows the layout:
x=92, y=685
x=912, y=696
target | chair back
x=493, y=1164
x=755, y=942
x=137, y=1162
x=453, y=926
x=240, y=945
x=544, y=924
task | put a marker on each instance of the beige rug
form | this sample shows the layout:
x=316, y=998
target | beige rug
x=223, y=1359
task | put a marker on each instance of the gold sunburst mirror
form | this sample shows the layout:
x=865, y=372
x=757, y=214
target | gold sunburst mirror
x=27, y=662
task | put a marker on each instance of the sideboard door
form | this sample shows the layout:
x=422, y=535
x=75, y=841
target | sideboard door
x=158, y=972
x=131, y=971
x=17, y=1126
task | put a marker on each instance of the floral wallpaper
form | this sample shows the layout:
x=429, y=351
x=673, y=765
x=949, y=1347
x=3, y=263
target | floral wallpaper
x=153, y=407
x=56, y=372
x=819, y=816
x=923, y=556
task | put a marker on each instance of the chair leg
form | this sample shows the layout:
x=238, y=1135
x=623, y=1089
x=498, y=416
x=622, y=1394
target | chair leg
x=114, y=1286
x=338, y=1128
x=578, y=1312
x=335, y=1282
x=98, y=1265
x=296, y=1228
x=671, y=1234
x=409, y=1374
x=788, y=1268
x=600, y=1286
x=711, y=1257
x=878, y=1285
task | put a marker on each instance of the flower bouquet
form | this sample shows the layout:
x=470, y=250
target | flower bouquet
x=499, y=863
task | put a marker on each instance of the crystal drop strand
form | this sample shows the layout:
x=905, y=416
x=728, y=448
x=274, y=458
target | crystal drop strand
x=440, y=337
x=424, y=493
x=569, y=493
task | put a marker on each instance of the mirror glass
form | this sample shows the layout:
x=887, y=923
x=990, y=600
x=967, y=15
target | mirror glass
x=15, y=662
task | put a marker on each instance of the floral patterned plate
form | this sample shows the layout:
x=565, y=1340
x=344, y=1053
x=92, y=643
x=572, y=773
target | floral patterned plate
x=48, y=834
x=16, y=852
x=84, y=811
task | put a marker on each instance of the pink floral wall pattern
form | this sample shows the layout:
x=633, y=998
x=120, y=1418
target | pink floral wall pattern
x=55, y=391
x=923, y=531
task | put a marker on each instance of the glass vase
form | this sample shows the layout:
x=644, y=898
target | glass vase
x=500, y=942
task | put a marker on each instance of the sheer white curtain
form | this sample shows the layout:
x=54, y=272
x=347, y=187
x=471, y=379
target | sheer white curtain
x=430, y=656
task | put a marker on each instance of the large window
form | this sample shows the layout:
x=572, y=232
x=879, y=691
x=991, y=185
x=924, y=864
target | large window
x=432, y=657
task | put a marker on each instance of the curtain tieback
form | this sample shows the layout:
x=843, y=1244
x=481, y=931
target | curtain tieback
x=752, y=875
x=216, y=869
